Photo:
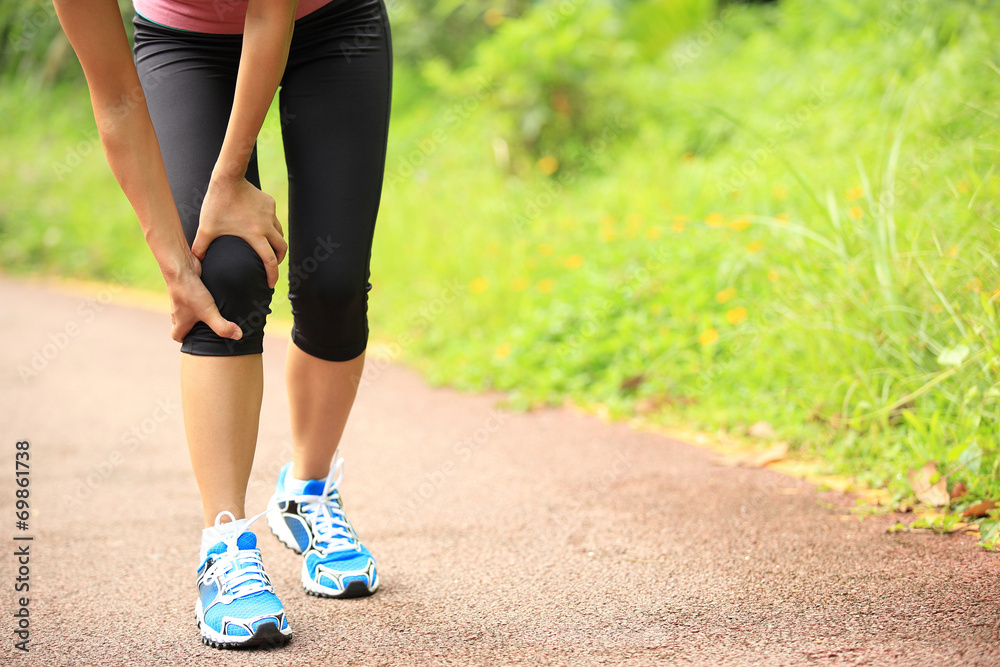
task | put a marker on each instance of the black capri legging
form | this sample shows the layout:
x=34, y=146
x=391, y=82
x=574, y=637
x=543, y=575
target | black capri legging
x=334, y=103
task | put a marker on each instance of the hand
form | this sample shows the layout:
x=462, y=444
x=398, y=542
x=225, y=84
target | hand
x=234, y=207
x=191, y=302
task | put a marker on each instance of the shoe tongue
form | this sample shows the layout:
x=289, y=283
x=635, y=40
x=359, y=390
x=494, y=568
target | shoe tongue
x=314, y=487
x=247, y=540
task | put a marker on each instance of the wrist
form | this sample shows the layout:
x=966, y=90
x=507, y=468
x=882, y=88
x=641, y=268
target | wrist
x=227, y=173
x=174, y=267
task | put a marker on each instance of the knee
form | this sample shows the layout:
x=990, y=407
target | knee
x=330, y=309
x=234, y=274
x=333, y=290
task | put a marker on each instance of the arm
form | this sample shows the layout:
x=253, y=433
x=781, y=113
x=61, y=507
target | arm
x=95, y=29
x=232, y=205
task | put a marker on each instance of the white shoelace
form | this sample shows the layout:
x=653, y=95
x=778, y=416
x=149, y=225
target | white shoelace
x=238, y=571
x=333, y=531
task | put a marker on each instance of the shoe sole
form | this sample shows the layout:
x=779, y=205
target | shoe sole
x=355, y=589
x=267, y=635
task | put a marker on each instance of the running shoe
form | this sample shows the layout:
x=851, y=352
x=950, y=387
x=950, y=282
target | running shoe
x=335, y=564
x=236, y=605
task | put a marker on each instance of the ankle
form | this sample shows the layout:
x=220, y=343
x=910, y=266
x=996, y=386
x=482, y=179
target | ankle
x=305, y=472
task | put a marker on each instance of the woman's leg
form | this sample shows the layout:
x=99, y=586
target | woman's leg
x=221, y=399
x=335, y=100
x=335, y=113
x=189, y=82
x=320, y=396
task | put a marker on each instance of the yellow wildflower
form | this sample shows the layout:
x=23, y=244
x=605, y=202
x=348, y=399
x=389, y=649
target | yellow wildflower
x=736, y=315
x=548, y=165
x=725, y=295
x=493, y=17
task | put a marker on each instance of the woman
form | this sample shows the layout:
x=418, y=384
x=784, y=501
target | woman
x=179, y=127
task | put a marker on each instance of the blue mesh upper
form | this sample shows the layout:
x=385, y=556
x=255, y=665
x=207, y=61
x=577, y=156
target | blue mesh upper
x=341, y=561
x=252, y=606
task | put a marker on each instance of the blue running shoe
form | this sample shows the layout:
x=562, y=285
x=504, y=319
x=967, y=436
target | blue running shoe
x=236, y=605
x=335, y=564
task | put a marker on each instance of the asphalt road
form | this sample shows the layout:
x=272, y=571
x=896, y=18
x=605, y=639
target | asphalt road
x=542, y=538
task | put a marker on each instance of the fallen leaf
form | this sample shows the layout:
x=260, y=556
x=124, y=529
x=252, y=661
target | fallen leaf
x=775, y=453
x=761, y=430
x=755, y=459
x=980, y=509
x=930, y=493
x=960, y=526
x=958, y=490
x=650, y=404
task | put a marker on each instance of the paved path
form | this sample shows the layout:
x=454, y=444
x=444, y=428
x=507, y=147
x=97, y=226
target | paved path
x=544, y=538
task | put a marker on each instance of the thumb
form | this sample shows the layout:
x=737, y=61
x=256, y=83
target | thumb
x=201, y=243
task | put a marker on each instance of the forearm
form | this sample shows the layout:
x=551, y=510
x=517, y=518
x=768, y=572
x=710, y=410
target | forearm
x=94, y=28
x=133, y=154
x=267, y=35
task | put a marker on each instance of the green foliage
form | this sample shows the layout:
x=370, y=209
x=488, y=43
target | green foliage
x=989, y=536
x=790, y=229
x=32, y=45
x=562, y=71
x=447, y=30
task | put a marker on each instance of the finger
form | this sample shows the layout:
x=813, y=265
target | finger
x=278, y=244
x=263, y=248
x=220, y=325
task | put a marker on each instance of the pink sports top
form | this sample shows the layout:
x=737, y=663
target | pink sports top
x=220, y=17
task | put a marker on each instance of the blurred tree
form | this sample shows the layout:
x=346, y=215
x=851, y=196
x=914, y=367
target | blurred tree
x=559, y=70
x=448, y=30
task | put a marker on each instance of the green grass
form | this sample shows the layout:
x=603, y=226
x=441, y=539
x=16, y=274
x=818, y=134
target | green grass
x=795, y=222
